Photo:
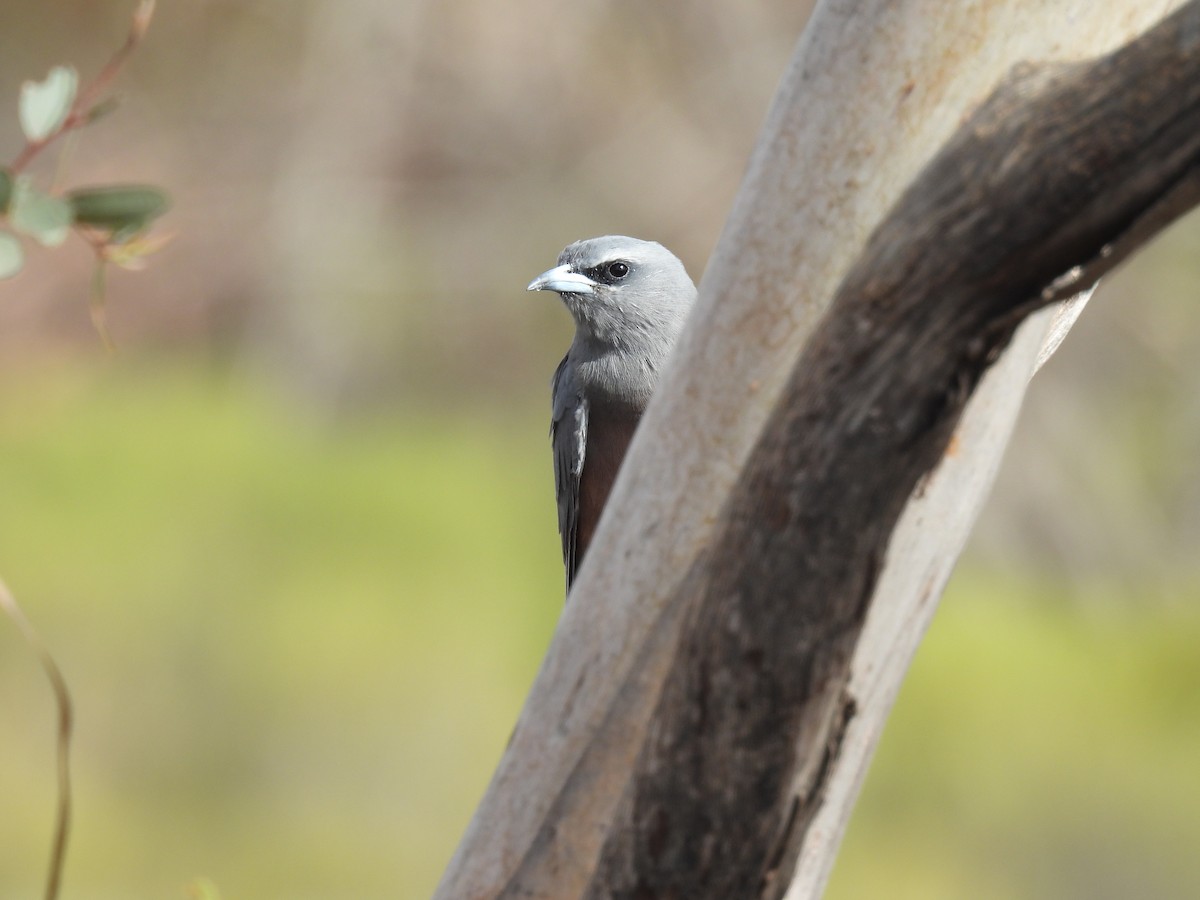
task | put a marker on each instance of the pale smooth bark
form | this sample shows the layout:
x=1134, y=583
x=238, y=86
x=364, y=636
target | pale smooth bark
x=875, y=89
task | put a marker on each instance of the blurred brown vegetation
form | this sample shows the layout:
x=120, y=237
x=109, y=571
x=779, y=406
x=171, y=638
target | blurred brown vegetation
x=363, y=189
x=361, y=192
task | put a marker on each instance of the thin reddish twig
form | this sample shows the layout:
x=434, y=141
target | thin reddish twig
x=88, y=98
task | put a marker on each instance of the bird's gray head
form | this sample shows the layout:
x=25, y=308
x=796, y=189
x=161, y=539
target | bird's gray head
x=621, y=291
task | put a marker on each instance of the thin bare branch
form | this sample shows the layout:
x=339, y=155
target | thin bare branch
x=62, y=700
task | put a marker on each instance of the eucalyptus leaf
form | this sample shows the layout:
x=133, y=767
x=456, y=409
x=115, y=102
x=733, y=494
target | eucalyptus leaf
x=121, y=208
x=32, y=211
x=45, y=105
x=12, y=257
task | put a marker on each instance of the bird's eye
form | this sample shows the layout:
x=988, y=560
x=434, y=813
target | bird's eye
x=618, y=269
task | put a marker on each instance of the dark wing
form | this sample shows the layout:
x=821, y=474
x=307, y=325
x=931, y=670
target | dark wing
x=568, y=437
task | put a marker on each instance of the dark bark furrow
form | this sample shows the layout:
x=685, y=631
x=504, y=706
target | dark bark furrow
x=1055, y=167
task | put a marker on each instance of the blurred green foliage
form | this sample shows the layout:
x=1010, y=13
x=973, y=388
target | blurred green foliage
x=112, y=219
x=298, y=638
x=1039, y=749
x=295, y=652
x=298, y=650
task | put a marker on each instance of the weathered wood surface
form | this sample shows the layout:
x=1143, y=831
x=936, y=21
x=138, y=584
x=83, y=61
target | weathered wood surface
x=695, y=714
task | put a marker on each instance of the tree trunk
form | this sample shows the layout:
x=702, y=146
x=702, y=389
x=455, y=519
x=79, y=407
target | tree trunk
x=799, y=490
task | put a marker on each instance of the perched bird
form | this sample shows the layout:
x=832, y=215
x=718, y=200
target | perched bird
x=629, y=299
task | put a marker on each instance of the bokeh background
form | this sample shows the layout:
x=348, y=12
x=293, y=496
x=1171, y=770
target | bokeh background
x=294, y=544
